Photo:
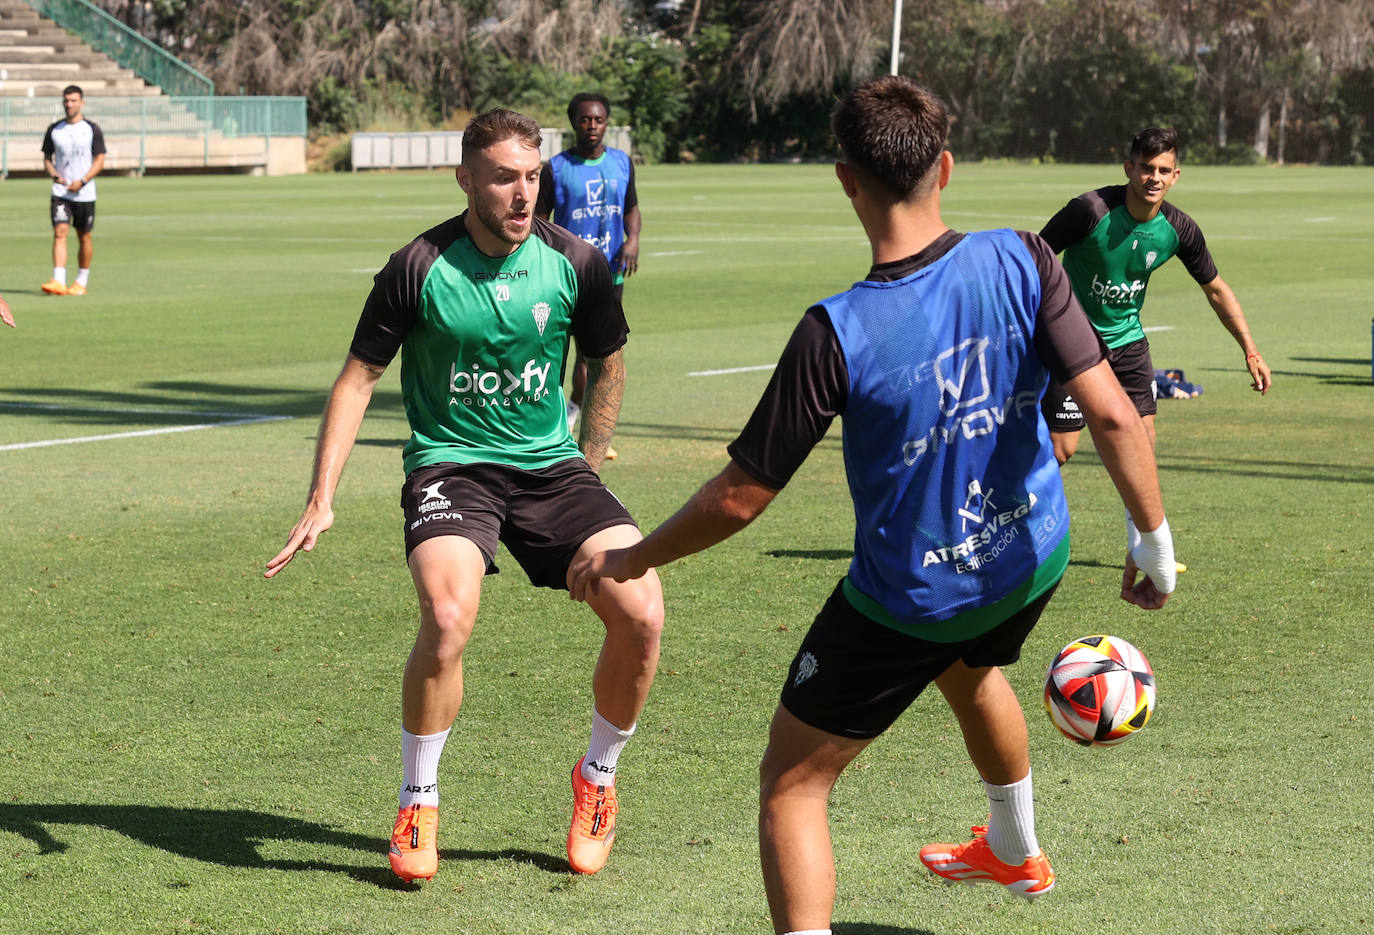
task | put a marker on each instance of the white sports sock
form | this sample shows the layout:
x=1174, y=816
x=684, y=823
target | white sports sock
x=60, y=274
x=810, y=932
x=1011, y=827
x=603, y=752
x=420, y=765
x=82, y=275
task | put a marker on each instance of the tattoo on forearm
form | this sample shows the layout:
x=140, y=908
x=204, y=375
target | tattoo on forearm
x=601, y=405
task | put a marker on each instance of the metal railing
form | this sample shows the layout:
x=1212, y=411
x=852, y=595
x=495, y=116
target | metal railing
x=435, y=148
x=23, y=120
x=108, y=35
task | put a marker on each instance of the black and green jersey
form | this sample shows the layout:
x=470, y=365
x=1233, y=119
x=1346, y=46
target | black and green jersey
x=483, y=341
x=1109, y=256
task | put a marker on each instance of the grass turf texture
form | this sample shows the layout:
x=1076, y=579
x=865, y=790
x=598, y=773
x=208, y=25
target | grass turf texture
x=190, y=748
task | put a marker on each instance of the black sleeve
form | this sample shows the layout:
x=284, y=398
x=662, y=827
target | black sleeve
x=1074, y=221
x=543, y=205
x=598, y=320
x=1192, y=246
x=97, y=140
x=631, y=196
x=1064, y=339
x=49, y=148
x=809, y=388
x=392, y=307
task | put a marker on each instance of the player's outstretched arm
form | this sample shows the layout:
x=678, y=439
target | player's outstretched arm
x=1232, y=318
x=343, y=415
x=601, y=406
x=1124, y=446
x=722, y=507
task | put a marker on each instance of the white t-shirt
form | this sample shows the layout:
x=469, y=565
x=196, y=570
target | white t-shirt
x=72, y=147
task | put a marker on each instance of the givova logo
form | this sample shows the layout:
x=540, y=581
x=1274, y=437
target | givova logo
x=596, y=191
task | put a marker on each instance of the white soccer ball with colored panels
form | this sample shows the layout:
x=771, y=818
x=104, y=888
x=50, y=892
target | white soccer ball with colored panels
x=1099, y=690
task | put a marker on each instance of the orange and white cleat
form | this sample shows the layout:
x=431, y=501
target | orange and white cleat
x=53, y=287
x=76, y=289
x=593, y=823
x=974, y=862
x=414, y=852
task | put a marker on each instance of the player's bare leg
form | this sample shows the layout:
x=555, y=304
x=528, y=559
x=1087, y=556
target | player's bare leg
x=447, y=572
x=57, y=285
x=632, y=612
x=1065, y=445
x=798, y=771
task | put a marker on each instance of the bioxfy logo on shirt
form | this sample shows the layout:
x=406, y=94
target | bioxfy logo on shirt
x=474, y=386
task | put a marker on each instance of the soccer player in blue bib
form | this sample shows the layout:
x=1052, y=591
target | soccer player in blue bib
x=590, y=190
x=936, y=361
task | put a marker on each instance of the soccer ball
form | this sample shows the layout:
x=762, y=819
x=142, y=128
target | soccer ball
x=1099, y=690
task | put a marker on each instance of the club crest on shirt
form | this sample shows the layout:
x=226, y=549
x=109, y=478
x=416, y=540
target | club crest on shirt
x=541, y=315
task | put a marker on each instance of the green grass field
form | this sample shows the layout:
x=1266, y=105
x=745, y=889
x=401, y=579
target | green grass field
x=189, y=748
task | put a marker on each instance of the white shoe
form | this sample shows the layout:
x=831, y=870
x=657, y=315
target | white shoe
x=573, y=410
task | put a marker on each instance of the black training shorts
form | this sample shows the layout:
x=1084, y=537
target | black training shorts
x=1134, y=371
x=79, y=214
x=854, y=677
x=543, y=516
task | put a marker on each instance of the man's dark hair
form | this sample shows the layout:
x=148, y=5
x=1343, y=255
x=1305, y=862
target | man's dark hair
x=1152, y=141
x=584, y=97
x=73, y=89
x=892, y=130
x=497, y=126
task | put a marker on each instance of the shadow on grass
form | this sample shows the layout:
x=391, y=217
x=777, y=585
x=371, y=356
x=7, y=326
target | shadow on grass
x=79, y=406
x=1320, y=471
x=822, y=554
x=232, y=838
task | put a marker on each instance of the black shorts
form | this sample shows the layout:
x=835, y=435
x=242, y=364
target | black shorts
x=543, y=516
x=1134, y=371
x=854, y=677
x=79, y=214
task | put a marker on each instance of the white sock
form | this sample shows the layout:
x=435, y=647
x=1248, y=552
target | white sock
x=603, y=752
x=1011, y=827
x=82, y=275
x=60, y=274
x=810, y=932
x=1132, y=534
x=420, y=765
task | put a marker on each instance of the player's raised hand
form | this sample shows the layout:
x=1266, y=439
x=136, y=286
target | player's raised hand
x=304, y=534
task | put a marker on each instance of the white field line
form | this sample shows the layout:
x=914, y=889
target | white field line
x=716, y=373
x=231, y=418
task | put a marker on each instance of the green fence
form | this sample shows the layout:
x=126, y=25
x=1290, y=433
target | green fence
x=108, y=35
x=23, y=120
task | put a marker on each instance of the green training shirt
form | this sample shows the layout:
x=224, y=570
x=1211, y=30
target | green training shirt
x=1110, y=256
x=484, y=340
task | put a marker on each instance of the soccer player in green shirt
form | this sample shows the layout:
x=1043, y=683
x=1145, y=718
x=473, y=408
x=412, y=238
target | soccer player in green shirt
x=481, y=309
x=1112, y=240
